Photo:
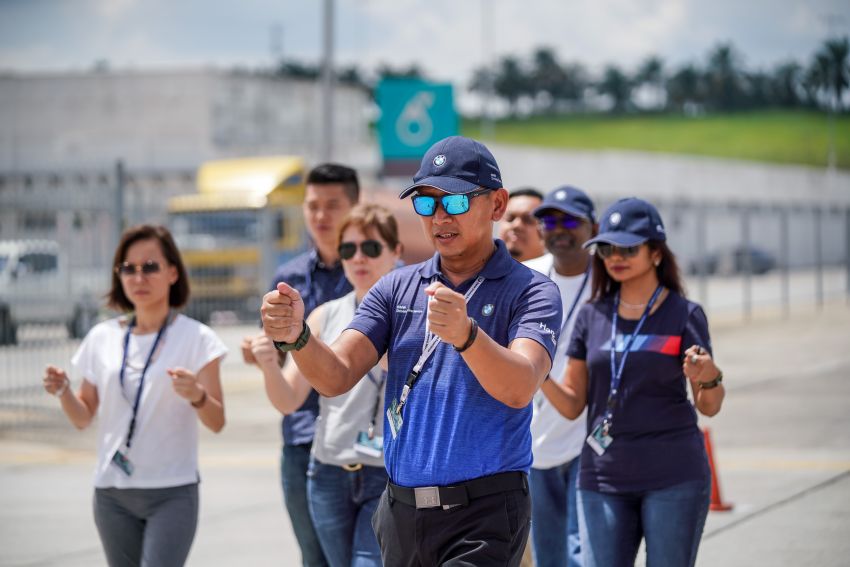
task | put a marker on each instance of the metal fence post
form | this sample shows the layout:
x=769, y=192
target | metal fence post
x=702, y=261
x=847, y=250
x=817, y=214
x=120, y=183
x=785, y=276
x=747, y=281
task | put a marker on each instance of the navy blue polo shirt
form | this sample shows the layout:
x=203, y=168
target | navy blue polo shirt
x=657, y=443
x=453, y=429
x=317, y=283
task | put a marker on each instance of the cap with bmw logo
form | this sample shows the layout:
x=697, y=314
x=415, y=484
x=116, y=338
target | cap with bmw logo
x=567, y=199
x=629, y=222
x=456, y=165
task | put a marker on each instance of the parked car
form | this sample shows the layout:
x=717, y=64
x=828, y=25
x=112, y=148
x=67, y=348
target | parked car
x=734, y=261
x=36, y=286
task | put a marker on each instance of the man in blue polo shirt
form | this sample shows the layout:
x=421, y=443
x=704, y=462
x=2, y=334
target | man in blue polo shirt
x=470, y=335
x=331, y=191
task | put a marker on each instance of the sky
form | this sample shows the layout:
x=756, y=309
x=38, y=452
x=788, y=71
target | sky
x=446, y=38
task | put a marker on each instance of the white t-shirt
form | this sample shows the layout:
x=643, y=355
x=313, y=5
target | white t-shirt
x=164, y=449
x=556, y=440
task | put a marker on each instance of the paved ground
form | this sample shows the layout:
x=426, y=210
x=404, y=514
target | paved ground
x=781, y=448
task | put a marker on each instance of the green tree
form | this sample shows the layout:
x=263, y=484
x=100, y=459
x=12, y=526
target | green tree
x=723, y=79
x=617, y=85
x=834, y=62
x=787, y=82
x=684, y=88
x=510, y=82
x=651, y=74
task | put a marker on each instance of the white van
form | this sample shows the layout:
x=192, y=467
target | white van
x=36, y=288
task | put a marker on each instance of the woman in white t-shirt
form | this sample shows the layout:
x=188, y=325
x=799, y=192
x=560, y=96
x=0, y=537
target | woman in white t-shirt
x=148, y=376
x=347, y=475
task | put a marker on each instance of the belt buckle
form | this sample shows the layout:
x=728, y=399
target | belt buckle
x=353, y=468
x=427, y=496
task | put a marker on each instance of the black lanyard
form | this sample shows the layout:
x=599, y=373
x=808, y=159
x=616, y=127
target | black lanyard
x=379, y=385
x=132, y=428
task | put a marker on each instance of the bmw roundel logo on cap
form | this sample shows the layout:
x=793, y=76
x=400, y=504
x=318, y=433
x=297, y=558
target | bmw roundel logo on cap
x=561, y=195
x=440, y=160
x=615, y=218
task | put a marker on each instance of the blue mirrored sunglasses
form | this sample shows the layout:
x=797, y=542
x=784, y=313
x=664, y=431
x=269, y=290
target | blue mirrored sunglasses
x=551, y=222
x=426, y=206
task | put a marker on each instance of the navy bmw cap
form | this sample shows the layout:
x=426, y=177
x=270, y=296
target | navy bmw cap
x=629, y=222
x=456, y=165
x=570, y=200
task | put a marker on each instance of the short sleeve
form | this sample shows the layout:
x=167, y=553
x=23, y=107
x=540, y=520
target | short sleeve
x=577, y=347
x=373, y=316
x=696, y=330
x=84, y=362
x=210, y=347
x=538, y=315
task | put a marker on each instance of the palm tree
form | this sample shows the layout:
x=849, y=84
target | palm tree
x=684, y=88
x=786, y=84
x=723, y=78
x=838, y=71
x=617, y=85
x=651, y=73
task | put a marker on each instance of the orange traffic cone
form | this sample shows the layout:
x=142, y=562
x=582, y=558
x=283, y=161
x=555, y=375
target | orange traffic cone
x=717, y=504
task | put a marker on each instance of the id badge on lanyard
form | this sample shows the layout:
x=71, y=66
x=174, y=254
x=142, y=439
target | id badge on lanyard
x=119, y=457
x=600, y=438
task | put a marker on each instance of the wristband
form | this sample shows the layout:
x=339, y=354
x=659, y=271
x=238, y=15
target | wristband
x=200, y=403
x=299, y=342
x=711, y=384
x=473, y=333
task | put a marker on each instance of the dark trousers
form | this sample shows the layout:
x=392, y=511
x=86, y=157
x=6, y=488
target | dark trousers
x=294, y=462
x=489, y=531
x=146, y=526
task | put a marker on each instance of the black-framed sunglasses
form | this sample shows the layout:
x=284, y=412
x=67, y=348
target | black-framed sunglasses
x=426, y=205
x=608, y=250
x=370, y=248
x=551, y=222
x=146, y=269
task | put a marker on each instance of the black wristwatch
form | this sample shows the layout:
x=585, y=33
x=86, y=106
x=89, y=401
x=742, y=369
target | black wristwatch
x=299, y=343
x=711, y=383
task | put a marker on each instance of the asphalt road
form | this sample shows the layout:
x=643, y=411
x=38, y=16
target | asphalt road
x=781, y=449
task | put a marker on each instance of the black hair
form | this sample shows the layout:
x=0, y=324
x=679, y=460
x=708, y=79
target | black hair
x=603, y=285
x=327, y=173
x=526, y=192
x=178, y=295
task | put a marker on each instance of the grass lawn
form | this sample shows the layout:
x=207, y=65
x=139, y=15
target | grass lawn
x=774, y=136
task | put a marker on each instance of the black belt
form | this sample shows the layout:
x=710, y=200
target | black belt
x=460, y=494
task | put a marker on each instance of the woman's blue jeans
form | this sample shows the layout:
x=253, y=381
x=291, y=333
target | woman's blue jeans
x=670, y=520
x=554, y=516
x=341, y=504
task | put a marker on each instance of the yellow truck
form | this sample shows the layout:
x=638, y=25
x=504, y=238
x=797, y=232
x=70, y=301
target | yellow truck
x=244, y=220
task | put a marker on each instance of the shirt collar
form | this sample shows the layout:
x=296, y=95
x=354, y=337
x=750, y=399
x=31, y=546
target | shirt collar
x=498, y=266
x=316, y=262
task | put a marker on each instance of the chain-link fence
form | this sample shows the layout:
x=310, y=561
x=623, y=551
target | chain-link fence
x=58, y=232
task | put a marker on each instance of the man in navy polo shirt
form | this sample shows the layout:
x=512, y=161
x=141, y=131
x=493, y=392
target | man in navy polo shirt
x=470, y=336
x=332, y=190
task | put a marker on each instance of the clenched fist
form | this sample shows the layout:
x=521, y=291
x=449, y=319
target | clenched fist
x=283, y=314
x=186, y=385
x=447, y=316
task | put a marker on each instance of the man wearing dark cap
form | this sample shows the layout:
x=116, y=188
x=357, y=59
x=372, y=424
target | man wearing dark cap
x=470, y=335
x=567, y=219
